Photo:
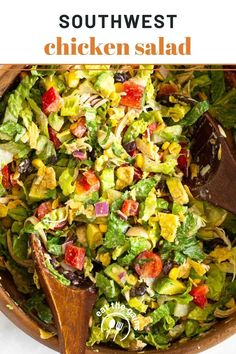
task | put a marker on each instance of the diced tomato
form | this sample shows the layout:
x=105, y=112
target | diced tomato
x=130, y=207
x=148, y=264
x=199, y=295
x=166, y=90
x=134, y=95
x=51, y=101
x=151, y=128
x=43, y=209
x=88, y=182
x=53, y=137
x=6, y=182
x=78, y=128
x=74, y=256
x=183, y=161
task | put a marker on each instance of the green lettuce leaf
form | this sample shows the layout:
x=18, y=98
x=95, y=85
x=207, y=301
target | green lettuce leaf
x=215, y=282
x=92, y=126
x=16, y=149
x=224, y=109
x=41, y=118
x=10, y=130
x=186, y=243
x=54, y=246
x=217, y=83
x=137, y=245
x=18, y=96
x=141, y=189
x=66, y=182
x=196, y=112
x=158, y=340
x=56, y=274
x=116, y=226
x=107, y=287
x=37, y=303
x=163, y=313
x=205, y=314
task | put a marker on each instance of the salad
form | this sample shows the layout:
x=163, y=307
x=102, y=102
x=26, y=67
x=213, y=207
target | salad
x=94, y=160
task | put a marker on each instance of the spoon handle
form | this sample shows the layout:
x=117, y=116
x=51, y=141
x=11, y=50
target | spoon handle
x=71, y=307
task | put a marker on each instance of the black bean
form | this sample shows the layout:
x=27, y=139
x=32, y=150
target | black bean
x=60, y=270
x=130, y=147
x=52, y=160
x=139, y=290
x=75, y=282
x=122, y=77
x=162, y=186
x=70, y=275
x=168, y=265
x=54, y=263
x=24, y=165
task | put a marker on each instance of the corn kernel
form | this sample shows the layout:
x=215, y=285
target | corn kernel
x=139, y=161
x=194, y=169
x=105, y=259
x=37, y=163
x=153, y=219
x=73, y=79
x=174, y=148
x=119, y=87
x=3, y=210
x=132, y=280
x=103, y=227
x=174, y=273
x=153, y=305
x=165, y=145
x=182, y=217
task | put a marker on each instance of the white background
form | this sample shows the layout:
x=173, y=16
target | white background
x=26, y=25
x=13, y=341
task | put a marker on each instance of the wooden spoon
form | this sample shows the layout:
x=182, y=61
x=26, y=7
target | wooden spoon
x=71, y=306
x=213, y=150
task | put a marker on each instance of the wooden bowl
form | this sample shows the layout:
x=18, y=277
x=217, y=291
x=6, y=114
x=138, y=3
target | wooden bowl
x=10, y=298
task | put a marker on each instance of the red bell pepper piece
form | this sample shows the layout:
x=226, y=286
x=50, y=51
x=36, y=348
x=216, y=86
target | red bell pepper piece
x=51, y=101
x=130, y=207
x=133, y=95
x=88, y=182
x=6, y=182
x=199, y=295
x=53, y=137
x=75, y=256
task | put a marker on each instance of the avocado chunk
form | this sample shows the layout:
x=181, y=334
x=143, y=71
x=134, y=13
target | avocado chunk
x=94, y=236
x=167, y=286
x=105, y=84
x=138, y=304
x=117, y=273
x=177, y=190
x=107, y=179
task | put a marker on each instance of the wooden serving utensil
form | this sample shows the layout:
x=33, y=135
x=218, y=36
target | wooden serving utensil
x=213, y=150
x=71, y=306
